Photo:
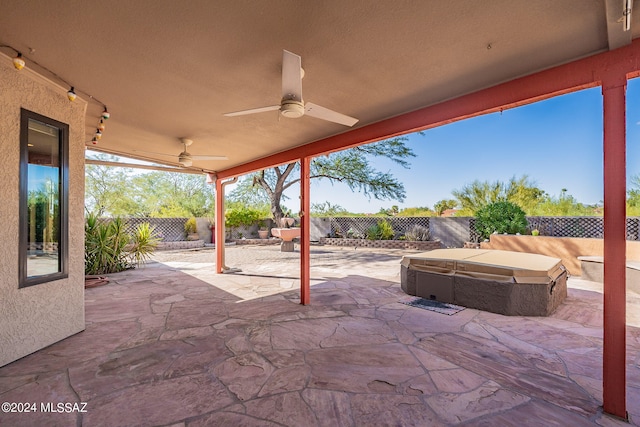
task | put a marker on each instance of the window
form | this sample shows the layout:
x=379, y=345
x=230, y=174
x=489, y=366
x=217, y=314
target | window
x=44, y=154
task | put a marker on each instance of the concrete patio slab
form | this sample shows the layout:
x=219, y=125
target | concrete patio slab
x=175, y=344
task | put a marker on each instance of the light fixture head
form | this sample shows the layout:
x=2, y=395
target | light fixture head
x=291, y=108
x=98, y=134
x=101, y=125
x=18, y=62
x=94, y=141
x=72, y=94
x=105, y=113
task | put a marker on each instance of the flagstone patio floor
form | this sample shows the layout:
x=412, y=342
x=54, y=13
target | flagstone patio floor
x=173, y=344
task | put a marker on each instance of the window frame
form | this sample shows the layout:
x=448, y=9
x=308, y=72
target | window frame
x=63, y=197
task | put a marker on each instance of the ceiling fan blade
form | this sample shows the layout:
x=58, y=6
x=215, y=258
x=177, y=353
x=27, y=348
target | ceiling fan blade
x=323, y=113
x=253, y=111
x=291, y=76
x=155, y=152
x=203, y=157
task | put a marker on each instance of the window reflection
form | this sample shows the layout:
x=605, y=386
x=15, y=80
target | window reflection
x=43, y=199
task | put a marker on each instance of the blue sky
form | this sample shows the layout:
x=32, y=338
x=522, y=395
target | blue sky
x=557, y=143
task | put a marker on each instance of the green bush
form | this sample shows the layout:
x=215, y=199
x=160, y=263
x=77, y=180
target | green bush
x=190, y=226
x=500, y=217
x=383, y=230
x=108, y=248
x=242, y=216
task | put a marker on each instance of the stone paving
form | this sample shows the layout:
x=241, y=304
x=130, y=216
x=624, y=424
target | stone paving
x=173, y=344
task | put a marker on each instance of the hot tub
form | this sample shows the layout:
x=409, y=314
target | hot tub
x=504, y=282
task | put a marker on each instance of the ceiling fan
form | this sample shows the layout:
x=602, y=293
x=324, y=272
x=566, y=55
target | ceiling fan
x=292, y=105
x=185, y=158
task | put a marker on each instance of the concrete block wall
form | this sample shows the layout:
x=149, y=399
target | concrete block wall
x=452, y=232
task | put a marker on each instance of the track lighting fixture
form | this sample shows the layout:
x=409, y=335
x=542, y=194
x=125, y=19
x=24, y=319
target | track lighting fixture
x=71, y=94
x=18, y=62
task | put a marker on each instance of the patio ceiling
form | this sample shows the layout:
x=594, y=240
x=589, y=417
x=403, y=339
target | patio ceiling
x=169, y=69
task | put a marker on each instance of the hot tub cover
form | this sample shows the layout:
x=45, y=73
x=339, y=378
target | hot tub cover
x=515, y=267
x=505, y=282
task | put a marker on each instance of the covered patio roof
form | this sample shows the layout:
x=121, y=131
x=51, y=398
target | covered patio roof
x=167, y=69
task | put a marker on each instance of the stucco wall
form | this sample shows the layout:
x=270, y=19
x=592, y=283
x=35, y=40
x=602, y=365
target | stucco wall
x=34, y=317
x=566, y=248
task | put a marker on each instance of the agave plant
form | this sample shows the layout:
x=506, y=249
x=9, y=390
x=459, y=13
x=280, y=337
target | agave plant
x=418, y=233
x=143, y=243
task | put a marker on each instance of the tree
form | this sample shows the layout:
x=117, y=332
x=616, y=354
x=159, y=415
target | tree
x=443, y=205
x=108, y=189
x=326, y=209
x=115, y=191
x=563, y=205
x=473, y=197
x=416, y=211
x=351, y=167
x=168, y=194
x=633, y=197
x=392, y=211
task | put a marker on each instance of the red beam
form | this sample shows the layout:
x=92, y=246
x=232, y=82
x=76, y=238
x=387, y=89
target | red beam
x=563, y=79
x=614, y=351
x=305, y=237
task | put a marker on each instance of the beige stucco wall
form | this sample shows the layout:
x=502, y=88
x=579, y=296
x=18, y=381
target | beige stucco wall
x=566, y=248
x=34, y=317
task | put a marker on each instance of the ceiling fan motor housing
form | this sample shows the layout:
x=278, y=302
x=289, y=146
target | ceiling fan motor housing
x=185, y=159
x=291, y=108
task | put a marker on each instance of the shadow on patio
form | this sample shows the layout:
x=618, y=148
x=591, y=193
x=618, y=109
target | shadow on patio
x=164, y=347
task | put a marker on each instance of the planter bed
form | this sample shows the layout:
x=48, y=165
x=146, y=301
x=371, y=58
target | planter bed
x=180, y=244
x=258, y=241
x=383, y=244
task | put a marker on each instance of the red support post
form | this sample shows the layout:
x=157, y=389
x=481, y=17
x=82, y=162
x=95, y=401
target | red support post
x=305, y=235
x=614, y=352
x=219, y=226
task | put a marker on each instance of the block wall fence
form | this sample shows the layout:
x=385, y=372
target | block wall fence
x=452, y=232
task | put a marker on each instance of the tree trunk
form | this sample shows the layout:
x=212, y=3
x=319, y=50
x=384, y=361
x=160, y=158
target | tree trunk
x=275, y=193
x=276, y=210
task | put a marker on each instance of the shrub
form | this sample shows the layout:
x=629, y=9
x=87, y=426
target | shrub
x=383, y=230
x=500, y=217
x=418, y=233
x=143, y=243
x=109, y=248
x=242, y=216
x=190, y=226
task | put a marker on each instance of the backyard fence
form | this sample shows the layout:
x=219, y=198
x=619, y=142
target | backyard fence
x=568, y=226
x=452, y=231
x=167, y=229
x=358, y=226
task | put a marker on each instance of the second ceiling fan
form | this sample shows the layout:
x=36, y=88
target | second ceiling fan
x=291, y=104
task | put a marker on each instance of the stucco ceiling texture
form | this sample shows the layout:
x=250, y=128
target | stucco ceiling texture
x=171, y=69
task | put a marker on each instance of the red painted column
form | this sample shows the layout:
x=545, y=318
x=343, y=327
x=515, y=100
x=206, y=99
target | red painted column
x=305, y=235
x=219, y=226
x=614, y=354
